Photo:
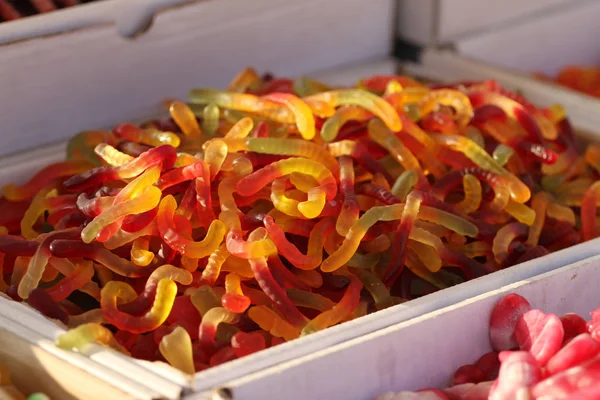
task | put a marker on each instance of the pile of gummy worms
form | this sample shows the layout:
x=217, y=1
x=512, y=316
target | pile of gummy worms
x=281, y=207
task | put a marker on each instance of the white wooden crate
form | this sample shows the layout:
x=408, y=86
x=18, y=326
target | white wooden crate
x=37, y=365
x=93, y=77
x=419, y=353
x=129, y=18
x=562, y=36
x=432, y=22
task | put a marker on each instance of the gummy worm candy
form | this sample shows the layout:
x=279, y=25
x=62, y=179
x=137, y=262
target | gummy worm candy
x=281, y=201
x=40, y=180
x=360, y=154
x=151, y=137
x=377, y=192
x=175, y=240
x=539, y=203
x=381, y=294
x=404, y=184
x=407, y=220
x=518, y=191
x=96, y=176
x=331, y=127
x=176, y=348
x=345, y=306
x=448, y=182
x=310, y=208
x=144, y=300
x=303, y=298
x=448, y=97
x=111, y=155
x=431, y=259
x=213, y=266
x=504, y=237
x=350, y=209
x=74, y=248
x=472, y=200
x=145, y=201
x=92, y=316
x=244, y=80
x=302, y=112
x=362, y=98
x=292, y=147
x=589, y=227
x=305, y=86
x=210, y=323
x=166, y=291
x=520, y=212
x=284, y=276
x=240, y=130
x=315, y=243
x=184, y=118
x=512, y=109
x=272, y=289
x=37, y=207
x=561, y=213
x=81, y=147
x=269, y=321
x=243, y=102
x=80, y=277
x=181, y=174
x=384, y=213
x=378, y=83
x=234, y=299
x=502, y=154
x=38, y=262
x=79, y=337
x=394, y=145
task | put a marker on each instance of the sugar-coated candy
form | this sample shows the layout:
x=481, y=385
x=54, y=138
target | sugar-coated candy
x=279, y=207
x=540, y=334
x=503, y=321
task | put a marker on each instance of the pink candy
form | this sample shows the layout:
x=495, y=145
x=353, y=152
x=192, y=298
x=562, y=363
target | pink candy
x=569, y=382
x=573, y=325
x=504, y=319
x=578, y=350
x=468, y=374
x=540, y=334
x=519, y=370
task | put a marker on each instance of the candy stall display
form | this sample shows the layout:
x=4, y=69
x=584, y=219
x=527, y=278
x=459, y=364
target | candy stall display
x=280, y=207
x=268, y=217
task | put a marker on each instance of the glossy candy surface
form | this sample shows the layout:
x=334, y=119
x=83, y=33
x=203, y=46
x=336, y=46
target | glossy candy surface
x=279, y=208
